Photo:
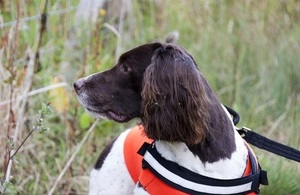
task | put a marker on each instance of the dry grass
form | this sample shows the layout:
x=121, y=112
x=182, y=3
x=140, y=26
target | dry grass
x=249, y=52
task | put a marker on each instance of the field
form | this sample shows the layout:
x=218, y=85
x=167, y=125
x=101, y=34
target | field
x=248, y=50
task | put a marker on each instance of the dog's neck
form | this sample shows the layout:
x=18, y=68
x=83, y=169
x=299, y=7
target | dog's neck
x=218, y=155
x=222, y=167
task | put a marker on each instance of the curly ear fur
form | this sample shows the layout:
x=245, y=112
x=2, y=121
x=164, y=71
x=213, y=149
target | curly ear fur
x=174, y=100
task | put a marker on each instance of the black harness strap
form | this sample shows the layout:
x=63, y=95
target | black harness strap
x=236, y=116
x=269, y=145
x=264, y=143
x=255, y=177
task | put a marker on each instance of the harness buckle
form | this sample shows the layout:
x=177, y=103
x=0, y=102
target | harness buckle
x=243, y=131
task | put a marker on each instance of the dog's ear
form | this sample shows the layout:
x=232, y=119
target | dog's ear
x=174, y=99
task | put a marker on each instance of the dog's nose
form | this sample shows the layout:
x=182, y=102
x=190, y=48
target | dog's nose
x=78, y=84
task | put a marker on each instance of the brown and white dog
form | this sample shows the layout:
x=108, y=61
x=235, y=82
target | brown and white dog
x=161, y=84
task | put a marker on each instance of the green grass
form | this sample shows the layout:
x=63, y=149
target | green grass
x=248, y=51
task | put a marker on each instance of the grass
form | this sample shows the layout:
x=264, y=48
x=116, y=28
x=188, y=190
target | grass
x=248, y=51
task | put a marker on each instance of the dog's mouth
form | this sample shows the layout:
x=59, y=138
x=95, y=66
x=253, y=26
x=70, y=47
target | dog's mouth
x=109, y=114
x=117, y=117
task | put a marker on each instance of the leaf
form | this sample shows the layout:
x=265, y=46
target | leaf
x=85, y=120
x=59, y=97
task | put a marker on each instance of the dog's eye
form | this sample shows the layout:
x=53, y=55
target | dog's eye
x=125, y=68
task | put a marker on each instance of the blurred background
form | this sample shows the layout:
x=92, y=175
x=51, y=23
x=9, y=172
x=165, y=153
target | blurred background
x=248, y=50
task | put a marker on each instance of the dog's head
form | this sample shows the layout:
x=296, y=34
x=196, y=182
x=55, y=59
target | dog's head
x=175, y=103
x=116, y=93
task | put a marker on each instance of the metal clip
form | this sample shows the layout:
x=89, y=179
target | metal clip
x=153, y=145
x=243, y=131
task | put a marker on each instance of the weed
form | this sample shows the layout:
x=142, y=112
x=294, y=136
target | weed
x=248, y=51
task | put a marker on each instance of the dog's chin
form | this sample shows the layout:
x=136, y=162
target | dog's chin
x=109, y=115
x=117, y=117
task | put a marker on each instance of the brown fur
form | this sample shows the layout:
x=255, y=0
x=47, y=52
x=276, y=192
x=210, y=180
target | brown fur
x=174, y=102
x=171, y=96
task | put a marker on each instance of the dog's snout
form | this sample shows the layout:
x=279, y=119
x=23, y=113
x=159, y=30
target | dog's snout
x=78, y=84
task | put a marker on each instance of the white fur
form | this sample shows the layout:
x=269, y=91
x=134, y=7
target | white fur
x=113, y=177
x=222, y=169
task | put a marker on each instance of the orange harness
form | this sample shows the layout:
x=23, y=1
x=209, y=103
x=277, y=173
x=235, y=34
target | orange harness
x=147, y=176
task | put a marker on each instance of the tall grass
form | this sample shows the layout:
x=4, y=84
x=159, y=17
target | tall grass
x=248, y=51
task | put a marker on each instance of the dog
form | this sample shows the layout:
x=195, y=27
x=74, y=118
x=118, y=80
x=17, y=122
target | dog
x=186, y=140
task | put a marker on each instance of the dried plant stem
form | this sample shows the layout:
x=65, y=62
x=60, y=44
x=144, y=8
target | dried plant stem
x=120, y=29
x=12, y=153
x=37, y=17
x=21, y=112
x=36, y=91
x=28, y=84
x=73, y=157
x=10, y=67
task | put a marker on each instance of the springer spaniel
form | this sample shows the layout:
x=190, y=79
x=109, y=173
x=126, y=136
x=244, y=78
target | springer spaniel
x=191, y=147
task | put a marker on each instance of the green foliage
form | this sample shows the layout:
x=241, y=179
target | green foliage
x=5, y=185
x=280, y=172
x=8, y=188
x=85, y=120
x=248, y=51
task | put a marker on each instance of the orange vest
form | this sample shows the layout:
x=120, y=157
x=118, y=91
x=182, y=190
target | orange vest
x=151, y=183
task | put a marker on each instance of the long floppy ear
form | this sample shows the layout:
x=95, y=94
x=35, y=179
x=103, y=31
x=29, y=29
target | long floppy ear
x=175, y=106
